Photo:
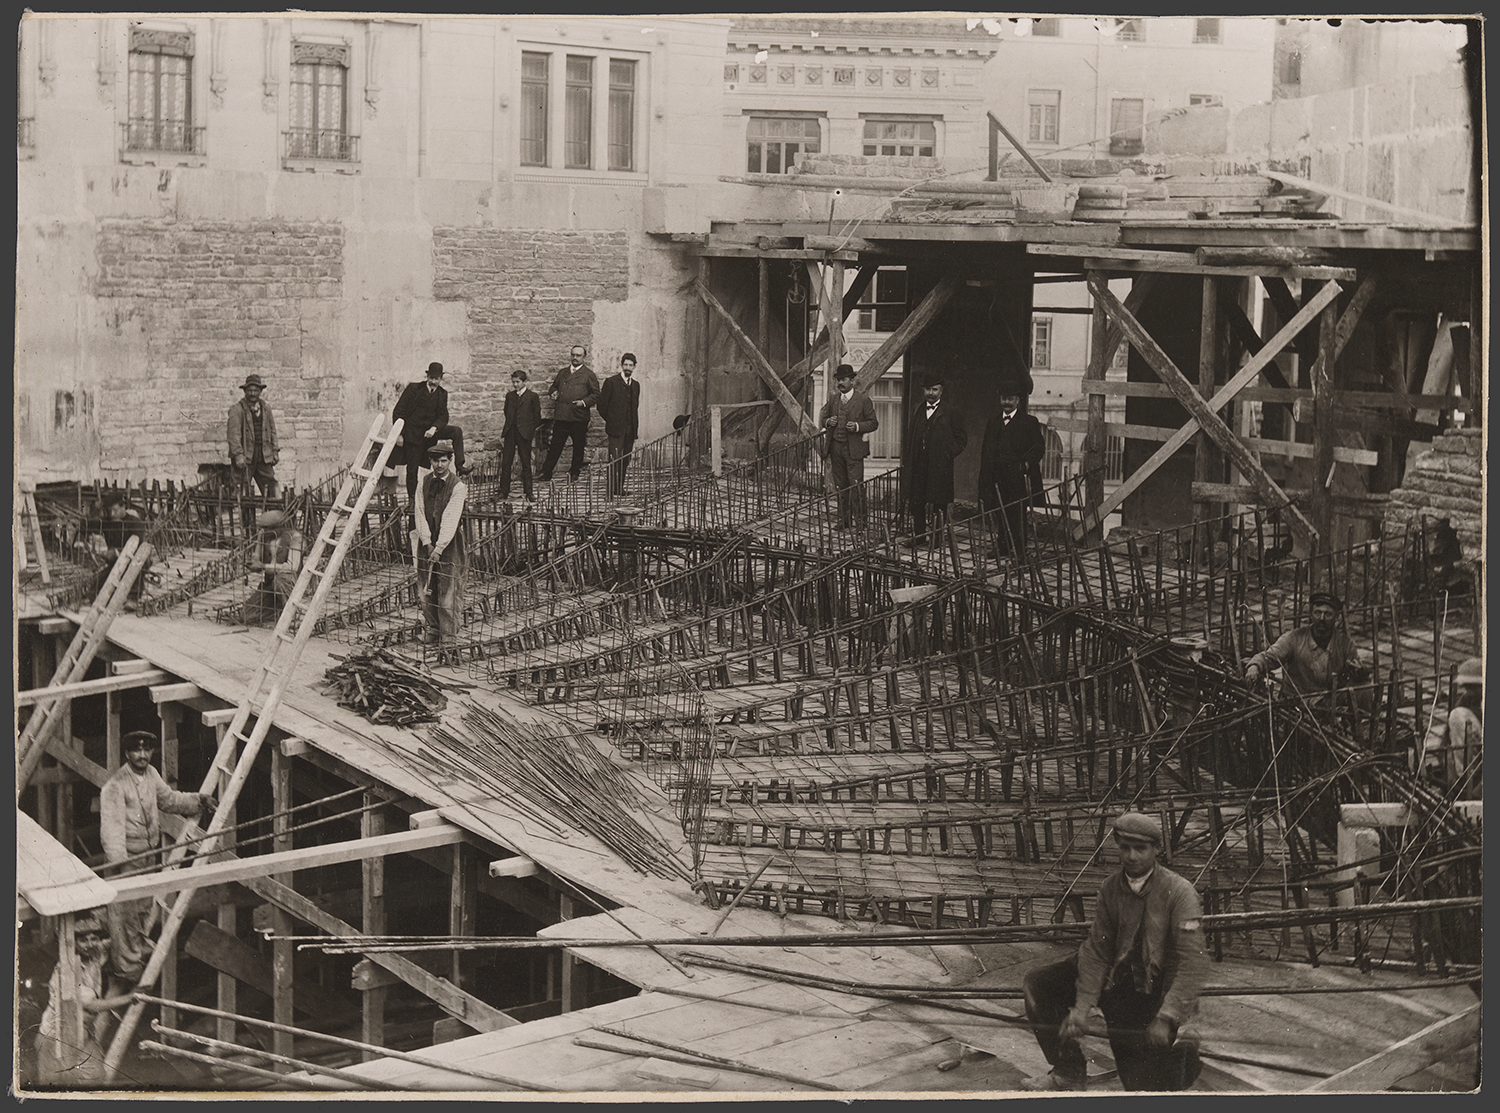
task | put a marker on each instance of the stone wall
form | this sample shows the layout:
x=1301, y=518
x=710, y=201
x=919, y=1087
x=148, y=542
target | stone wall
x=202, y=304
x=1446, y=482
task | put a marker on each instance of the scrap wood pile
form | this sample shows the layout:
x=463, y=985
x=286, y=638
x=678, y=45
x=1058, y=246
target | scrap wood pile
x=542, y=774
x=386, y=689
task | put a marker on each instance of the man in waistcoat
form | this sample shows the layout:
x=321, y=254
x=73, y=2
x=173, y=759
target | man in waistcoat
x=253, y=447
x=620, y=406
x=845, y=418
x=935, y=437
x=442, y=562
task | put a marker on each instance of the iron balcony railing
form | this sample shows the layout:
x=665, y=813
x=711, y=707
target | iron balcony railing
x=324, y=143
x=162, y=135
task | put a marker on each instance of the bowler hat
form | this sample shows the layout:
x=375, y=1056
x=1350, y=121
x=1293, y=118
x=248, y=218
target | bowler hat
x=434, y=370
x=253, y=380
x=441, y=448
x=1471, y=671
x=1138, y=825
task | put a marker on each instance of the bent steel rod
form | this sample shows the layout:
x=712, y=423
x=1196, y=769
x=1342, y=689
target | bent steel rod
x=255, y=1053
x=222, y=1064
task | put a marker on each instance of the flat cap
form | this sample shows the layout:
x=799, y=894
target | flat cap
x=1471, y=671
x=1325, y=598
x=1138, y=825
x=441, y=448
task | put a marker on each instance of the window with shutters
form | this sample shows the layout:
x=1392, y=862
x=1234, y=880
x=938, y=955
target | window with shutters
x=774, y=143
x=1041, y=342
x=621, y=114
x=160, y=95
x=1044, y=111
x=580, y=110
x=318, y=103
x=534, y=114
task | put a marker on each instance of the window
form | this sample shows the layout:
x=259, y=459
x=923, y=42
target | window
x=1114, y=459
x=1048, y=28
x=160, y=98
x=1041, y=342
x=885, y=442
x=319, y=102
x=1055, y=457
x=1130, y=30
x=900, y=137
x=775, y=142
x=590, y=100
x=1291, y=68
x=534, y=108
x=1127, y=117
x=578, y=113
x=1121, y=359
x=1205, y=100
x=1043, y=107
x=1206, y=30
x=882, y=307
x=621, y=114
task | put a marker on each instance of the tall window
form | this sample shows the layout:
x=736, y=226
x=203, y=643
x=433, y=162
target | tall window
x=882, y=307
x=1127, y=119
x=900, y=137
x=1043, y=107
x=1041, y=342
x=775, y=142
x=578, y=114
x=1055, y=457
x=535, y=74
x=319, y=96
x=621, y=114
x=1049, y=27
x=161, y=92
x=885, y=442
x=1130, y=30
x=1206, y=30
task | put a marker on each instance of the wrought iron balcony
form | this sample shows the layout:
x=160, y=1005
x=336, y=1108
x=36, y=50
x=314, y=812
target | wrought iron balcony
x=171, y=136
x=323, y=143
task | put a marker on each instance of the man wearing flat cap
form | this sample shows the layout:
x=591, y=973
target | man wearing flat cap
x=1143, y=964
x=251, y=432
x=423, y=406
x=1315, y=658
x=278, y=556
x=442, y=560
x=935, y=436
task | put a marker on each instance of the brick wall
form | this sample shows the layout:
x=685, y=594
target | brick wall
x=215, y=301
x=1446, y=482
x=530, y=295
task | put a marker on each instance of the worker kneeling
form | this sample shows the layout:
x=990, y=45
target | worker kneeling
x=1143, y=964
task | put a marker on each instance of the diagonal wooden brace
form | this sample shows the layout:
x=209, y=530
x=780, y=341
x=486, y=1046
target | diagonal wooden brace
x=758, y=361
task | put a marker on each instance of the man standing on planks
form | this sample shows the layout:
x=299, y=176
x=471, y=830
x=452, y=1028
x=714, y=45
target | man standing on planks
x=574, y=389
x=251, y=432
x=846, y=417
x=935, y=437
x=1143, y=964
x=620, y=406
x=523, y=413
x=423, y=406
x=1010, y=468
x=443, y=562
x=130, y=807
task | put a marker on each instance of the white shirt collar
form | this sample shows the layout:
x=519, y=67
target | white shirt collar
x=1137, y=884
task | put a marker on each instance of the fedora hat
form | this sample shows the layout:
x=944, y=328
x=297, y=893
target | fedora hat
x=253, y=380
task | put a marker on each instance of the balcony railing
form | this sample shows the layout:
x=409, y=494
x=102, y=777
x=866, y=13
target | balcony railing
x=23, y=131
x=162, y=135
x=325, y=143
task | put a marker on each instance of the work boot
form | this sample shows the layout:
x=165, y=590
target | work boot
x=1053, y=1081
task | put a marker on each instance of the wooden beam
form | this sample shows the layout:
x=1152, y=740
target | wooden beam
x=508, y=891
x=1238, y=492
x=127, y=666
x=72, y=757
x=1107, y=258
x=235, y=959
x=995, y=125
x=176, y=693
x=757, y=361
x=1433, y=1044
x=895, y=345
x=284, y=861
x=373, y=919
x=82, y=688
x=750, y=251
x=1203, y=412
x=517, y=866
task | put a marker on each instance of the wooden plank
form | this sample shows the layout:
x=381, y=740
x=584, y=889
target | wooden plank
x=750, y=251
x=82, y=688
x=50, y=878
x=72, y=757
x=1176, y=262
x=895, y=345
x=130, y=665
x=1417, y=1052
x=176, y=693
x=1362, y=199
x=285, y=861
x=762, y=368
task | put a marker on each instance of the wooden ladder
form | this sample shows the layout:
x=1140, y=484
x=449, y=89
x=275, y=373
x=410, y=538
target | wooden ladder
x=262, y=698
x=31, y=534
x=92, y=628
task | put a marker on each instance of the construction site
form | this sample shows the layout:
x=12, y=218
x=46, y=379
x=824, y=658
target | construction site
x=716, y=789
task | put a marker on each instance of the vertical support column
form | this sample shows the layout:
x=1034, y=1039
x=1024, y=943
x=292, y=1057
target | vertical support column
x=763, y=303
x=1208, y=458
x=463, y=907
x=112, y=755
x=281, y=921
x=372, y=1001
x=70, y=1018
x=700, y=318
x=1323, y=429
x=227, y=920
x=835, y=302
x=566, y=992
x=1095, y=438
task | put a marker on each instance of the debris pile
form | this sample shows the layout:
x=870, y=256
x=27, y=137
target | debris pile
x=385, y=689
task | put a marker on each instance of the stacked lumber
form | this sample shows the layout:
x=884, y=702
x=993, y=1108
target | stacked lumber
x=1247, y=195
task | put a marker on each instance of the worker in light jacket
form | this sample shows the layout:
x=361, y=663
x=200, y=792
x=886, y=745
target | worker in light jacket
x=442, y=561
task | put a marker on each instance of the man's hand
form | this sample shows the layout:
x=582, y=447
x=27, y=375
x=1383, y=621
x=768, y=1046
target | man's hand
x=241, y=461
x=435, y=556
x=1252, y=673
x=1074, y=1025
x=1159, y=1032
x=852, y=426
x=431, y=431
x=831, y=423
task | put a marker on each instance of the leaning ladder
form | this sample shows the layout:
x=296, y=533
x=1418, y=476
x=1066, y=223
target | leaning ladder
x=32, y=742
x=263, y=696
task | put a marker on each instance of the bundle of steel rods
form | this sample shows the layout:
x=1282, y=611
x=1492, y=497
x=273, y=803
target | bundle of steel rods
x=561, y=775
x=385, y=689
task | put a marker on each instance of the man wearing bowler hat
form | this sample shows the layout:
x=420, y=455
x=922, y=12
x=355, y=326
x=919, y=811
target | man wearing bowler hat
x=423, y=406
x=253, y=448
x=935, y=436
x=1143, y=964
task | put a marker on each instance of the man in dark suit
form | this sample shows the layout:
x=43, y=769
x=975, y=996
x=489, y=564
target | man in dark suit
x=523, y=413
x=847, y=416
x=1010, y=468
x=424, y=408
x=574, y=389
x=935, y=437
x=620, y=406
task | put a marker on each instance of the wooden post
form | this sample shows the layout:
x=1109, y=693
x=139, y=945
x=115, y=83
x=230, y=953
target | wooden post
x=70, y=1018
x=373, y=921
x=763, y=303
x=112, y=754
x=701, y=318
x=463, y=908
x=566, y=961
x=1324, y=433
x=228, y=986
x=716, y=440
x=836, y=326
x=1094, y=440
x=281, y=922
x=1208, y=460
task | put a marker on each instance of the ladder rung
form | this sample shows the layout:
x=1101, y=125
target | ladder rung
x=366, y=472
x=286, y=637
x=343, y=508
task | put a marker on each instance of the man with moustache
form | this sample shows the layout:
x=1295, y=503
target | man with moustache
x=847, y=416
x=935, y=437
x=1010, y=468
x=574, y=389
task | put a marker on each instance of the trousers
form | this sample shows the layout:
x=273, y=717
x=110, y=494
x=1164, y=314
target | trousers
x=848, y=480
x=515, y=445
x=561, y=431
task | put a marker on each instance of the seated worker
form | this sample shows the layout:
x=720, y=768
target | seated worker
x=278, y=554
x=1315, y=659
